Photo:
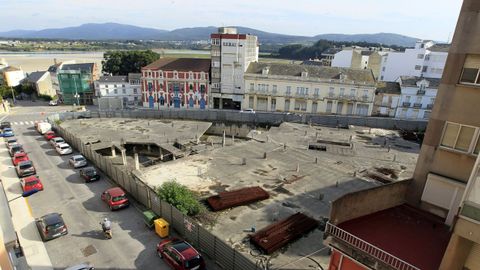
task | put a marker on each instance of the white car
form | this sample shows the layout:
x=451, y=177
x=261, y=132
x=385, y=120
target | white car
x=63, y=149
x=56, y=140
x=247, y=111
x=78, y=161
x=53, y=103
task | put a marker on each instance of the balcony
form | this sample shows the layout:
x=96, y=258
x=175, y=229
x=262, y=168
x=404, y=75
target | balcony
x=417, y=105
x=406, y=104
x=429, y=106
x=401, y=237
x=365, y=98
x=331, y=95
x=420, y=92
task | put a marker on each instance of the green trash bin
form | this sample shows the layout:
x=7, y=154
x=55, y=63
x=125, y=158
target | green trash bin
x=148, y=217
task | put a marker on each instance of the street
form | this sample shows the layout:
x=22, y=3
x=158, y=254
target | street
x=132, y=245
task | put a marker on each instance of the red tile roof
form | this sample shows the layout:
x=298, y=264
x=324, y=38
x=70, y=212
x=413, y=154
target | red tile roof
x=410, y=234
x=180, y=64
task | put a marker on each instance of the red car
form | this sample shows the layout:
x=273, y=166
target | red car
x=19, y=157
x=30, y=183
x=49, y=135
x=115, y=198
x=180, y=255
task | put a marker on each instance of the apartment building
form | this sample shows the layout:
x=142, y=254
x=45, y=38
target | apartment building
x=387, y=98
x=125, y=88
x=231, y=55
x=432, y=221
x=417, y=97
x=308, y=89
x=41, y=81
x=12, y=76
x=76, y=82
x=426, y=59
x=360, y=58
x=176, y=83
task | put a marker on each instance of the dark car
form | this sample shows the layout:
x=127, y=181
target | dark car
x=5, y=125
x=180, y=255
x=115, y=198
x=16, y=148
x=51, y=226
x=25, y=168
x=89, y=174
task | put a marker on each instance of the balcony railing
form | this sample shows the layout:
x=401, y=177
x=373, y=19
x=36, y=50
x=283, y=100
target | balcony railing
x=421, y=92
x=417, y=105
x=368, y=248
x=406, y=104
x=429, y=106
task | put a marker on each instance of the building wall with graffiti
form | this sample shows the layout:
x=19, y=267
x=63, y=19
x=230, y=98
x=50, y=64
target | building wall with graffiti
x=176, y=83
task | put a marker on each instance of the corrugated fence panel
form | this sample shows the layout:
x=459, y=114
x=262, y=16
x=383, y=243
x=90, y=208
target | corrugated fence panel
x=190, y=230
x=142, y=193
x=224, y=254
x=177, y=220
x=206, y=242
x=167, y=212
x=156, y=205
x=243, y=263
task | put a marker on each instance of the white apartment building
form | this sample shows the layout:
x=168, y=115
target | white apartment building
x=417, y=97
x=387, y=98
x=126, y=88
x=12, y=76
x=231, y=54
x=427, y=59
x=360, y=58
x=308, y=89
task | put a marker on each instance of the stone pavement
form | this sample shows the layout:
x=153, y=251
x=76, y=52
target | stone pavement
x=23, y=221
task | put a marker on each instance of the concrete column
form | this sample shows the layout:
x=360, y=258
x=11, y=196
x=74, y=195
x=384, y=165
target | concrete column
x=269, y=104
x=124, y=157
x=114, y=154
x=137, y=162
x=223, y=140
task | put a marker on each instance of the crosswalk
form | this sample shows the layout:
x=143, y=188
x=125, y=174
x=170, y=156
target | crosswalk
x=27, y=123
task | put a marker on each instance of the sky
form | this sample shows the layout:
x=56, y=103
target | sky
x=425, y=19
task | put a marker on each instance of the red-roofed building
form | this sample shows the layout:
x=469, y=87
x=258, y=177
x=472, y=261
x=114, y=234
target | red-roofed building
x=176, y=83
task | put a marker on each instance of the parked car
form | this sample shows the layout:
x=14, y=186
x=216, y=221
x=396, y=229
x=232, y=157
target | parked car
x=7, y=132
x=51, y=226
x=115, y=198
x=180, y=255
x=53, y=103
x=31, y=183
x=5, y=125
x=49, y=135
x=25, y=168
x=56, y=140
x=19, y=157
x=83, y=266
x=78, y=161
x=89, y=174
x=10, y=141
x=247, y=111
x=15, y=148
x=63, y=149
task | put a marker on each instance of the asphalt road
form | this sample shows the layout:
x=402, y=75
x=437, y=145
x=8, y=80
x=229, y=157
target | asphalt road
x=132, y=246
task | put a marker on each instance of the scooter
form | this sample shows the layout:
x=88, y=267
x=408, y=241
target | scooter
x=107, y=232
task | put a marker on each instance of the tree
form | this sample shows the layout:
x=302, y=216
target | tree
x=5, y=91
x=124, y=62
x=179, y=196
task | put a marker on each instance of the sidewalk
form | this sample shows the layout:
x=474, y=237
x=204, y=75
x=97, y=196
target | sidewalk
x=23, y=221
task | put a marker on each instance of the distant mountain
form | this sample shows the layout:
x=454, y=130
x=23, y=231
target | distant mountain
x=383, y=38
x=115, y=31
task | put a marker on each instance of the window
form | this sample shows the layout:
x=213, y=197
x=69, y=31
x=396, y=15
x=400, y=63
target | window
x=424, y=69
x=460, y=137
x=274, y=88
x=317, y=92
x=274, y=105
x=420, y=56
x=123, y=85
x=471, y=67
x=352, y=92
x=124, y=91
x=115, y=85
x=418, y=67
x=252, y=86
x=331, y=91
x=342, y=91
x=427, y=57
x=383, y=68
x=289, y=90
x=115, y=91
x=135, y=90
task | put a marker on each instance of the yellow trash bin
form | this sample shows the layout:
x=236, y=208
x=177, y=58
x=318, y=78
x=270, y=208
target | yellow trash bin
x=161, y=227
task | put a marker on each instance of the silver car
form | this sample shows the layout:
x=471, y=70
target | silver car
x=56, y=140
x=78, y=161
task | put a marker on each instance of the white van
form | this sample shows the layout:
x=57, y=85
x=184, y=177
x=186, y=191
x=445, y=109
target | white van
x=43, y=127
